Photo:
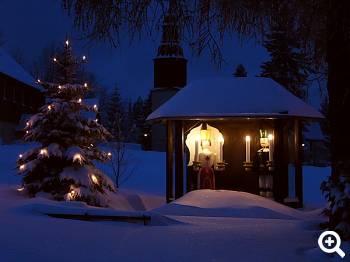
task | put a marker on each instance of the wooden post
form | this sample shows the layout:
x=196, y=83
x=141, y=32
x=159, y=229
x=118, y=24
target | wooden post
x=170, y=162
x=281, y=158
x=298, y=164
x=179, y=159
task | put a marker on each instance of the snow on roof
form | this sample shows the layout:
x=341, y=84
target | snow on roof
x=10, y=67
x=234, y=97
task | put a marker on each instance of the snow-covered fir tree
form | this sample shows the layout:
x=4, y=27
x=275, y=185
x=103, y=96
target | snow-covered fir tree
x=288, y=65
x=63, y=163
x=240, y=71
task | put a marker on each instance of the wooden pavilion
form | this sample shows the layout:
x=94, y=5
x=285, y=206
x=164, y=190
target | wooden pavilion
x=246, y=130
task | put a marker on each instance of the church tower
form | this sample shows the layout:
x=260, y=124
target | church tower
x=170, y=72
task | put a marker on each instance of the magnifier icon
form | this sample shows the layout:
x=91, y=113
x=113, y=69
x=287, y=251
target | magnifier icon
x=329, y=242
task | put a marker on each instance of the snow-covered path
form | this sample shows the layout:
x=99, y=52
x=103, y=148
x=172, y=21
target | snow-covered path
x=30, y=236
x=203, y=226
x=34, y=237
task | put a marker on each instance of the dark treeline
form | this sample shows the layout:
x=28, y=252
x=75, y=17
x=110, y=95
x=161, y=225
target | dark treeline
x=125, y=119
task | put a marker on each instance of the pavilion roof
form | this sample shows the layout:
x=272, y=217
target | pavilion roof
x=247, y=97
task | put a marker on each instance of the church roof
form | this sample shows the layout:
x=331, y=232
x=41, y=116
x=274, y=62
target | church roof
x=234, y=97
x=10, y=67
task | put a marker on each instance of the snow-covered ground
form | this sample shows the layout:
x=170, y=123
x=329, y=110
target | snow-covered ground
x=204, y=225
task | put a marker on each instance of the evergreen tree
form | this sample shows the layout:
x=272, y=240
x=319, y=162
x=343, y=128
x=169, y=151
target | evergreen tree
x=138, y=119
x=43, y=67
x=288, y=65
x=63, y=164
x=116, y=115
x=240, y=71
x=103, y=106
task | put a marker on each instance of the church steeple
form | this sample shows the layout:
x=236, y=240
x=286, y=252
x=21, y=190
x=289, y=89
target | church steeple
x=170, y=71
x=170, y=66
x=170, y=44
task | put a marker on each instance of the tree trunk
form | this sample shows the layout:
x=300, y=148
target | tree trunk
x=338, y=58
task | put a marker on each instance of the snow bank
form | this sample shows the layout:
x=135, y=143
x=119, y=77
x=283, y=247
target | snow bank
x=224, y=203
x=47, y=207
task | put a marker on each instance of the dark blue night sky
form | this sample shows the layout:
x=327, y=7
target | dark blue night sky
x=30, y=25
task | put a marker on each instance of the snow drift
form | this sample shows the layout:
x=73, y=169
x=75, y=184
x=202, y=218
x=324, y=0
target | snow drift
x=224, y=203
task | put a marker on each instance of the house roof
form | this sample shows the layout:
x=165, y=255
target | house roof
x=10, y=67
x=234, y=97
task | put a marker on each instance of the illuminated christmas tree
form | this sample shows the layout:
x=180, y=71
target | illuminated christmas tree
x=63, y=164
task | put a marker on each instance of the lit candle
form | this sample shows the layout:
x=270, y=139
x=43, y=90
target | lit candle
x=247, y=149
x=270, y=147
x=196, y=150
x=221, y=155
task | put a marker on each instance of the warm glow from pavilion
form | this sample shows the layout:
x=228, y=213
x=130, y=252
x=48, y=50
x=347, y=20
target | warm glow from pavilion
x=203, y=138
x=221, y=138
